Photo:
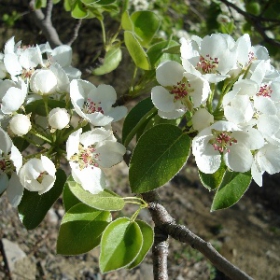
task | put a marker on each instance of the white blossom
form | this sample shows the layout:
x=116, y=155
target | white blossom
x=95, y=103
x=10, y=164
x=58, y=118
x=20, y=124
x=38, y=175
x=88, y=153
x=227, y=140
x=179, y=91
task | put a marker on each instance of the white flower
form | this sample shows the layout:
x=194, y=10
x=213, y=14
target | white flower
x=212, y=56
x=227, y=140
x=58, y=118
x=12, y=95
x=43, y=82
x=265, y=160
x=63, y=56
x=179, y=90
x=89, y=152
x=38, y=175
x=95, y=103
x=20, y=124
x=10, y=164
x=21, y=61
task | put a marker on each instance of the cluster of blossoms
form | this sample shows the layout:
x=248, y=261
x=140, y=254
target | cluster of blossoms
x=232, y=93
x=44, y=101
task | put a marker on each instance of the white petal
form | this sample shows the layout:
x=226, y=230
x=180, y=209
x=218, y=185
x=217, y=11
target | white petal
x=72, y=143
x=162, y=99
x=94, y=136
x=12, y=64
x=12, y=100
x=171, y=115
x=4, y=180
x=111, y=153
x=208, y=162
x=239, y=158
x=62, y=55
x=268, y=125
x=6, y=142
x=91, y=179
x=117, y=113
x=14, y=190
x=257, y=174
x=265, y=105
x=169, y=73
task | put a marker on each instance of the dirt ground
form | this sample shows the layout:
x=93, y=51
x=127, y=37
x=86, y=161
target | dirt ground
x=248, y=234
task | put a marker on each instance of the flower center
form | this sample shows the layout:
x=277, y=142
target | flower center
x=265, y=91
x=222, y=141
x=3, y=165
x=41, y=177
x=86, y=157
x=92, y=107
x=207, y=64
x=180, y=90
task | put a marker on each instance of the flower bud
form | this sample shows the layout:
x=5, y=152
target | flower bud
x=58, y=118
x=43, y=82
x=20, y=124
x=202, y=119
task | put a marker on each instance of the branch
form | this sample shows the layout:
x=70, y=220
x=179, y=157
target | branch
x=76, y=32
x=165, y=224
x=45, y=24
x=256, y=22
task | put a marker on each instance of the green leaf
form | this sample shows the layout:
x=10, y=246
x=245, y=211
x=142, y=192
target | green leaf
x=148, y=240
x=98, y=2
x=111, y=61
x=134, y=117
x=158, y=156
x=157, y=56
x=69, y=199
x=120, y=244
x=213, y=181
x=105, y=200
x=38, y=106
x=78, y=11
x=233, y=187
x=81, y=229
x=20, y=143
x=126, y=21
x=34, y=207
x=146, y=25
x=172, y=49
x=136, y=51
x=40, y=4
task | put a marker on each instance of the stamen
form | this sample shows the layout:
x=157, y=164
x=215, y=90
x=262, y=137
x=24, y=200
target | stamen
x=92, y=107
x=265, y=91
x=207, y=64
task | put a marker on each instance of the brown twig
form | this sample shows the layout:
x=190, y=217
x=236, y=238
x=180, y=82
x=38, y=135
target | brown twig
x=44, y=22
x=257, y=22
x=167, y=226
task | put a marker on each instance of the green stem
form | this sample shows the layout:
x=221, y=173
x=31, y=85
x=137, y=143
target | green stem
x=147, y=116
x=35, y=133
x=103, y=32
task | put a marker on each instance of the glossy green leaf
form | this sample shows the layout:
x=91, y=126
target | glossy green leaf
x=136, y=51
x=105, y=200
x=34, y=207
x=20, y=143
x=146, y=25
x=38, y=106
x=157, y=56
x=148, y=240
x=81, y=229
x=69, y=199
x=139, y=111
x=78, y=11
x=233, y=187
x=111, y=61
x=172, y=49
x=158, y=156
x=212, y=181
x=126, y=21
x=120, y=244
